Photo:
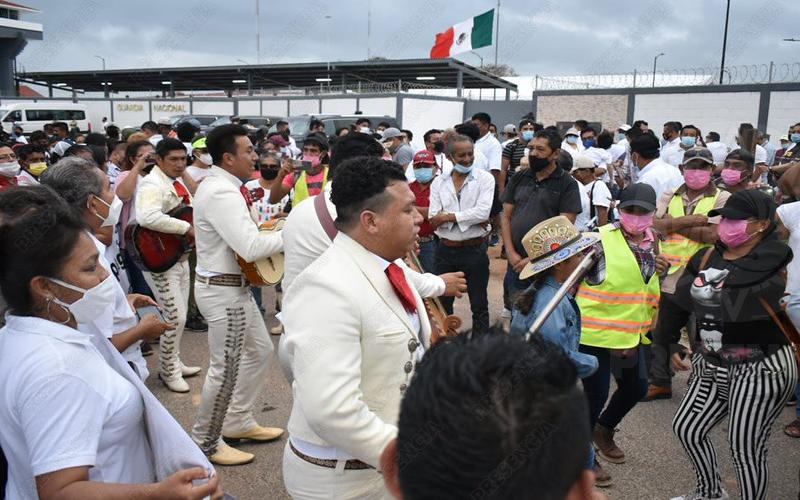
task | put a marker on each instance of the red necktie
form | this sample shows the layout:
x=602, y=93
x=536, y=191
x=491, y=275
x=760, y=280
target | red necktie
x=248, y=198
x=180, y=189
x=398, y=279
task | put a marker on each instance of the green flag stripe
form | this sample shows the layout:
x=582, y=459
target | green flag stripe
x=482, y=26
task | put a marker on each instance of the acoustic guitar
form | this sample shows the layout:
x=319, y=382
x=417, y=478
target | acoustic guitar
x=157, y=252
x=268, y=271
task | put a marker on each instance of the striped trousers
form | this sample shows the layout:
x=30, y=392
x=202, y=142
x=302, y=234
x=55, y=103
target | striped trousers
x=751, y=396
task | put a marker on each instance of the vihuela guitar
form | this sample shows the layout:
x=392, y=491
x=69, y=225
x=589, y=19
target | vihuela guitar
x=268, y=271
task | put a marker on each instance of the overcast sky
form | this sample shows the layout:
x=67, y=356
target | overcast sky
x=546, y=37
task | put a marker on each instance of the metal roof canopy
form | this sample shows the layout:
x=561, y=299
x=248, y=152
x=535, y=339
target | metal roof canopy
x=448, y=73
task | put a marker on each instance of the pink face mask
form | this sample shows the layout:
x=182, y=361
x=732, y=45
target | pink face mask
x=696, y=179
x=635, y=224
x=733, y=233
x=731, y=177
x=313, y=159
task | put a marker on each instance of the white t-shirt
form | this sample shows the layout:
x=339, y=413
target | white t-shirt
x=63, y=406
x=492, y=150
x=600, y=196
x=719, y=151
x=661, y=176
x=790, y=216
x=761, y=155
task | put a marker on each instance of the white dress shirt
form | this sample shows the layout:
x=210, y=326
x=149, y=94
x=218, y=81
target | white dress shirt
x=472, y=206
x=661, y=176
x=492, y=150
x=719, y=151
x=672, y=152
x=224, y=227
x=155, y=197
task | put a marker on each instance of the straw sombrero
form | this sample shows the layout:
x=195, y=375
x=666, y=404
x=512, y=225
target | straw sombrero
x=552, y=241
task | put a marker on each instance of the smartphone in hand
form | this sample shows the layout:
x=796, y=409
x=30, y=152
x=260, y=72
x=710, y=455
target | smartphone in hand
x=143, y=311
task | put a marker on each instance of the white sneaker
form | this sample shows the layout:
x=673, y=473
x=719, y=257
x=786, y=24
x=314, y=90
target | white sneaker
x=190, y=371
x=506, y=314
x=697, y=496
x=176, y=384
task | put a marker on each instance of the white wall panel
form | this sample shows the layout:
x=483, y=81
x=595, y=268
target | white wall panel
x=276, y=107
x=784, y=110
x=338, y=106
x=165, y=109
x=378, y=106
x=303, y=107
x=131, y=113
x=421, y=115
x=252, y=108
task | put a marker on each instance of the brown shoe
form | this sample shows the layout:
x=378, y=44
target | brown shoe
x=606, y=447
x=657, y=392
x=793, y=429
x=227, y=455
x=602, y=479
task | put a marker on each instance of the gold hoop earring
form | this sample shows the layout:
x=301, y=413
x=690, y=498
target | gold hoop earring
x=50, y=316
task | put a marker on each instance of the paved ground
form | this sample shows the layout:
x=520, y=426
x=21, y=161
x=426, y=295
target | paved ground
x=656, y=468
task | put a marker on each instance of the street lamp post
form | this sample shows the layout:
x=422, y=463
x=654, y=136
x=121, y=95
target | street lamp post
x=478, y=56
x=655, y=65
x=103, y=59
x=724, y=42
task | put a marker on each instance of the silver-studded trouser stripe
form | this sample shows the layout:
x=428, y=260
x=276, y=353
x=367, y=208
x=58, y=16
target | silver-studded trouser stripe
x=239, y=354
x=171, y=290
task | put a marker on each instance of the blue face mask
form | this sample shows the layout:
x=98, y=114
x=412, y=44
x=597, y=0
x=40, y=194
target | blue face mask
x=527, y=135
x=588, y=143
x=795, y=137
x=688, y=141
x=461, y=169
x=620, y=137
x=572, y=139
x=423, y=175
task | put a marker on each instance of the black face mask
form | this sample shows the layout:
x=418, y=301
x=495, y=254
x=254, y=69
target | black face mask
x=438, y=146
x=538, y=164
x=269, y=173
x=285, y=134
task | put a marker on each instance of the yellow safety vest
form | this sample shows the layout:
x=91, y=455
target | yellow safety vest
x=301, y=187
x=677, y=248
x=617, y=313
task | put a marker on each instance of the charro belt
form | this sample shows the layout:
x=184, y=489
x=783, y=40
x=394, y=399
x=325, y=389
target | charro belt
x=472, y=242
x=330, y=464
x=426, y=239
x=233, y=280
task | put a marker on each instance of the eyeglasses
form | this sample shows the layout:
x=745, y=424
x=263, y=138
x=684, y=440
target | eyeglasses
x=10, y=157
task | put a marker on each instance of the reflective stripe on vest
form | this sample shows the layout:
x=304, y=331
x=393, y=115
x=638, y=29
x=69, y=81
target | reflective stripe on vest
x=617, y=313
x=301, y=187
x=678, y=249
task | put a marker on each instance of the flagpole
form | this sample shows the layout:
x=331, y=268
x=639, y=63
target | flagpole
x=497, y=34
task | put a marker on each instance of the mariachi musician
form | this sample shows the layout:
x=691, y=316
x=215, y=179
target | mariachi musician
x=160, y=192
x=239, y=344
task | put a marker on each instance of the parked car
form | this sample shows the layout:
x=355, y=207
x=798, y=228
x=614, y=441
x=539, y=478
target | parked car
x=205, y=120
x=33, y=116
x=256, y=121
x=298, y=125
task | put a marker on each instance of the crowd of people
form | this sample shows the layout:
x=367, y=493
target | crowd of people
x=628, y=254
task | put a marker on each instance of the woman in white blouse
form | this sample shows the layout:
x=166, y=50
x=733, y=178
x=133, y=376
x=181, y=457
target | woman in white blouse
x=72, y=414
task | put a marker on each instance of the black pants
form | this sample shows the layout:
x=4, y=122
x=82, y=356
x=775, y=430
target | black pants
x=474, y=263
x=671, y=318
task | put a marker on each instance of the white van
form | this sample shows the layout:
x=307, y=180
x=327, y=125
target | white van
x=35, y=115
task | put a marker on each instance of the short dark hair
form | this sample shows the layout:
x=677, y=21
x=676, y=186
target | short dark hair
x=99, y=154
x=384, y=124
x=222, y=140
x=61, y=125
x=408, y=133
x=95, y=139
x=168, y=144
x=24, y=152
x=38, y=232
x=743, y=155
x=426, y=137
x=150, y=125
x=552, y=136
x=353, y=145
x=526, y=121
x=690, y=127
x=281, y=123
x=469, y=129
x=75, y=150
x=363, y=120
x=482, y=117
x=581, y=124
x=133, y=149
x=360, y=184
x=589, y=129
x=186, y=131
x=314, y=123
x=37, y=135
x=639, y=123
x=674, y=126
x=492, y=417
x=112, y=131
x=605, y=139
x=714, y=136
x=646, y=145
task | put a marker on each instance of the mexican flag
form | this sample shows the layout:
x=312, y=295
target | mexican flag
x=465, y=36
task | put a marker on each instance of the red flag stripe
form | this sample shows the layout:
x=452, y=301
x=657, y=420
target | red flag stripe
x=441, y=48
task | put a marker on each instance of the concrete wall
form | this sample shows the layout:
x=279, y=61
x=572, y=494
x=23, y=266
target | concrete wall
x=420, y=115
x=249, y=108
x=162, y=109
x=339, y=106
x=275, y=107
x=720, y=112
x=608, y=109
x=221, y=108
x=784, y=110
x=378, y=105
x=502, y=112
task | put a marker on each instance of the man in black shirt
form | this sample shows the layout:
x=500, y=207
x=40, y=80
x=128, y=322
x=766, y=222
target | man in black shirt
x=537, y=193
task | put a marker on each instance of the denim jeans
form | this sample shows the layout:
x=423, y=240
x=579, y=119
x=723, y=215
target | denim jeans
x=631, y=376
x=135, y=276
x=427, y=255
x=474, y=263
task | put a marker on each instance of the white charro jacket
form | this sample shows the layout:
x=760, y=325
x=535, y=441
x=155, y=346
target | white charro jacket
x=155, y=198
x=224, y=225
x=347, y=347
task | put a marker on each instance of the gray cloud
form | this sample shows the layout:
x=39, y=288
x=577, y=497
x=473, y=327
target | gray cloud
x=546, y=37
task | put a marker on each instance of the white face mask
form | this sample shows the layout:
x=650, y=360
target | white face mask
x=10, y=169
x=365, y=130
x=95, y=301
x=114, y=210
x=206, y=159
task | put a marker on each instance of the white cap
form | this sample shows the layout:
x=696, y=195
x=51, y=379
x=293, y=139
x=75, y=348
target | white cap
x=624, y=127
x=573, y=131
x=582, y=161
x=164, y=120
